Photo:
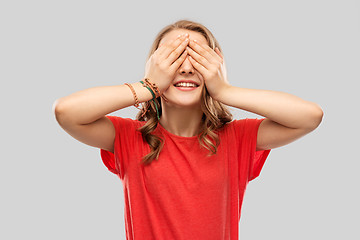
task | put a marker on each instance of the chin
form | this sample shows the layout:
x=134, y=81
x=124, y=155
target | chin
x=185, y=99
x=183, y=103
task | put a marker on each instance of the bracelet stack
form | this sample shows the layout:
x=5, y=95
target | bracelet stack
x=154, y=90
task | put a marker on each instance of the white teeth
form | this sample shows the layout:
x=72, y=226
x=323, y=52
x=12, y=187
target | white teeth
x=182, y=84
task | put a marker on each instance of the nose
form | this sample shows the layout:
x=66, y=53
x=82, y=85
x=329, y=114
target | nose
x=186, y=67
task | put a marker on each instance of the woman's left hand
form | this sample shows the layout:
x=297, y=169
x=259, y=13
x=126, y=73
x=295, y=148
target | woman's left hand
x=211, y=65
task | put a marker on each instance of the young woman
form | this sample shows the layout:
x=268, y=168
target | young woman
x=184, y=163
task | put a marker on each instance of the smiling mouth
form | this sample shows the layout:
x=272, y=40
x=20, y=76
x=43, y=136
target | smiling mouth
x=186, y=85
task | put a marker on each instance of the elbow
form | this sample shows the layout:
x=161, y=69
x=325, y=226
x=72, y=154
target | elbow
x=59, y=110
x=315, y=117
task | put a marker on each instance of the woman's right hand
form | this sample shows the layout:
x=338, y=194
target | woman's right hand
x=163, y=63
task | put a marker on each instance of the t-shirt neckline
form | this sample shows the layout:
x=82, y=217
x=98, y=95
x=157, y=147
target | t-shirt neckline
x=174, y=135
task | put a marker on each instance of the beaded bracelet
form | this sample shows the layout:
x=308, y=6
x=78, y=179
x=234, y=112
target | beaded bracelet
x=156, y=89
x=155, y=92
x=153, y=87
x=151, y=91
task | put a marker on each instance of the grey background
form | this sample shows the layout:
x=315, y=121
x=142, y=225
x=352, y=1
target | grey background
x=54, y=187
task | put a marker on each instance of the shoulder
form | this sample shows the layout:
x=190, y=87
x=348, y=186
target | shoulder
x=236, y=123
x=125, y=123
x=242, y=126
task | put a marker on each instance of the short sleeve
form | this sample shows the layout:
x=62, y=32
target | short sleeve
x=124, y=132
x=251, y=161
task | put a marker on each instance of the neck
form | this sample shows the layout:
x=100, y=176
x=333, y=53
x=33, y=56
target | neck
x=181, y=121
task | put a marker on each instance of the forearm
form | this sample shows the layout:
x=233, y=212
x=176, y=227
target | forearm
x=283, y=108
x=89, y=105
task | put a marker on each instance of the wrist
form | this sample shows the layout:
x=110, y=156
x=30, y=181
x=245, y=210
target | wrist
x=221, y=92
x=161, y=83
x=143, y=94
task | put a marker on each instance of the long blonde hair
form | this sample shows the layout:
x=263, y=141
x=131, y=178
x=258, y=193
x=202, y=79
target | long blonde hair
x=215, y=114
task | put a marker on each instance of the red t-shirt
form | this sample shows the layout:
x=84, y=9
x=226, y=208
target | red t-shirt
x=184, y=194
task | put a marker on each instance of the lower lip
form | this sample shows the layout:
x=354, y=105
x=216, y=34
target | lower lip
x=186, y=88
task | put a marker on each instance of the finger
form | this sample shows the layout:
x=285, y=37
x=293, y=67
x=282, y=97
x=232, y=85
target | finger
x=171, y=45
x=202, y=70
x=176, y=64
x=219, y=53
x=162, y=46
x=200, y=59
x=177, y=52
x=205, y=51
